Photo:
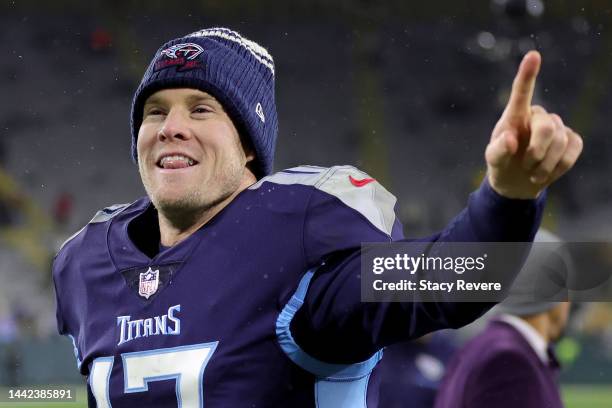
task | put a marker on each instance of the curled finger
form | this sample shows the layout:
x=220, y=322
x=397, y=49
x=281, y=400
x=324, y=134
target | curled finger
x=542, y=131
x=556, y=149
x=501, y=149
x=571, y=154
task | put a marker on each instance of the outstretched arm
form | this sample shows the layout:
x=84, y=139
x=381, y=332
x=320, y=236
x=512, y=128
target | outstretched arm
x=528, y=150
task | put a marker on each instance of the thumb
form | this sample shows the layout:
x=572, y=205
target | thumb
x=501, y=149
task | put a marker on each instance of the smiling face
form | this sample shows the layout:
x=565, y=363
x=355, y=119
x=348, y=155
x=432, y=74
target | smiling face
x=190, y=156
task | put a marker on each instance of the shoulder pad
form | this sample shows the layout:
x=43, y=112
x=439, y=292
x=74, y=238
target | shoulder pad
x=103, y=215
x=350, y=185
x=107, y=213
x=305, y=175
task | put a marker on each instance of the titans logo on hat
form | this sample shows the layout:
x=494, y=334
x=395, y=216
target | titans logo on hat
x=182, y=55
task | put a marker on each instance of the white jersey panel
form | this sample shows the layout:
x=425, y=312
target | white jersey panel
x=353, y=187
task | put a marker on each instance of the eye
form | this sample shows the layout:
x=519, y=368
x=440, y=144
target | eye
x=200, y=109
x=154, y=112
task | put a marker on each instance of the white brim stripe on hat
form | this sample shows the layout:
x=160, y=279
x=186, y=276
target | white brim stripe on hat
x=259, y=52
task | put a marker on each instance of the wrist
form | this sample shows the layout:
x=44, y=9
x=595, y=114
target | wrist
x=513, y=193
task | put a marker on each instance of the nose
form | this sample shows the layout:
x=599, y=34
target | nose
x=175, y=127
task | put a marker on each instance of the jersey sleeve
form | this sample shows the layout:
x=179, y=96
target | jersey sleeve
x=68, y=295
x=68, y=279
x=334, y=325
x=347, y=207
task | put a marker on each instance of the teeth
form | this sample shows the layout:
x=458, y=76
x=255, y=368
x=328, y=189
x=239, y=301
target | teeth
x=163, y=161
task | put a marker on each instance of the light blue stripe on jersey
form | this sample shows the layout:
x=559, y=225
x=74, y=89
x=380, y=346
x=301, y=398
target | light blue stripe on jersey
x=75, y=350
x=342, y=393
x=338, y=385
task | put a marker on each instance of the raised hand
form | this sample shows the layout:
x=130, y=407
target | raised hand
x=529, y=147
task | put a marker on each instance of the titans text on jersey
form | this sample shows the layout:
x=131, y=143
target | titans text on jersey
x=152, y=326
x=261, y=306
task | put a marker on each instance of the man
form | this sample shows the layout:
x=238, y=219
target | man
x=228, y=286
x=512, y=362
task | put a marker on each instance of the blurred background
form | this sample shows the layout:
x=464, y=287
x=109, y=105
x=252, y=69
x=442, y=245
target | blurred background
x=407, y=91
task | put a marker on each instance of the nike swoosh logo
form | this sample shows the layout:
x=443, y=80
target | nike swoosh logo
x=360, y=183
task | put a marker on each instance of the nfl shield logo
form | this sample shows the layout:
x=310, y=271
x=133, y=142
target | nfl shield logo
x=149, y=282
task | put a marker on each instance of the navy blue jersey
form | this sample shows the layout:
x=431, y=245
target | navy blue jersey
x=261, y=306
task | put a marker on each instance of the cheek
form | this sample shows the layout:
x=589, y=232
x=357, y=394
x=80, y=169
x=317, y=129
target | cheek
x=232, y=143
x=562, y=314
x=230, y=154
x=144, y=142
x=222, y=142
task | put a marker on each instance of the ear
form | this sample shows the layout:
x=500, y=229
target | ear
x=250, y=155
x=247, y=148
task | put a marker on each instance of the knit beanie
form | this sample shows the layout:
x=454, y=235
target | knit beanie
x=238, y=72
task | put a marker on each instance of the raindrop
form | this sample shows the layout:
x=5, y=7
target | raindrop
x=486, y=40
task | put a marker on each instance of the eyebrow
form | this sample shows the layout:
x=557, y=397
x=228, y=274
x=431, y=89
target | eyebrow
x=200, y=97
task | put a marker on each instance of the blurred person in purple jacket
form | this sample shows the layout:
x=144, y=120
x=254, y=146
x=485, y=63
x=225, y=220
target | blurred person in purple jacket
x=512, y=362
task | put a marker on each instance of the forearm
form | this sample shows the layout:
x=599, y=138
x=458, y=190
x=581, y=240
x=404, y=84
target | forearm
x=490, y=217
x=333, y=318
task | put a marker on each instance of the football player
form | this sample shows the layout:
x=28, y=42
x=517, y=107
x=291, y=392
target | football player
x=230, y=286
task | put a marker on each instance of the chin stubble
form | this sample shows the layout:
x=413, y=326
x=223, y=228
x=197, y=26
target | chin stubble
x=192, y=204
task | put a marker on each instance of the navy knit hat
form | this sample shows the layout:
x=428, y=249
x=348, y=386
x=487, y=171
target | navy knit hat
x=238, y=72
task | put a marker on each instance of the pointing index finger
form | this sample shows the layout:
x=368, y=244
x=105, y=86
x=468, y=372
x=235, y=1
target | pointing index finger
x=524, y=85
